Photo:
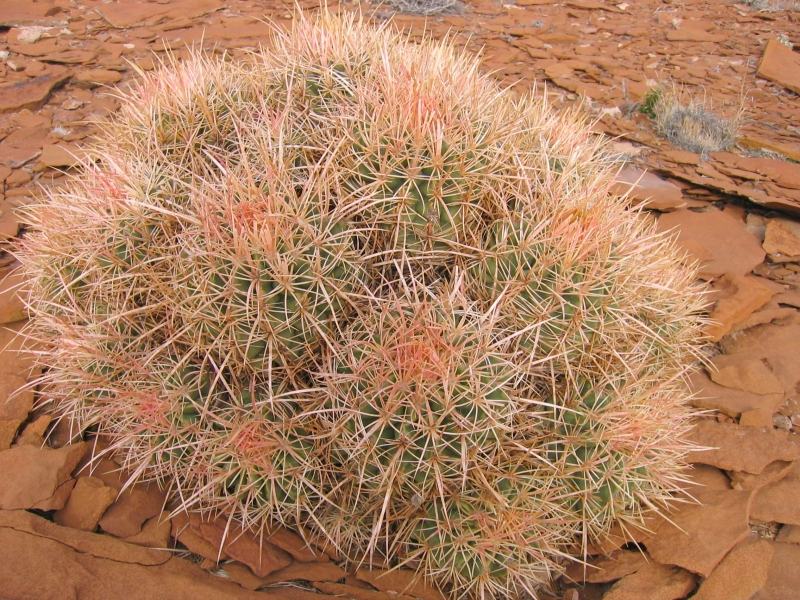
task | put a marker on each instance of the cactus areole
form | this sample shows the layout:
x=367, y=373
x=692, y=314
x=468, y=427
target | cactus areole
x=348, y=285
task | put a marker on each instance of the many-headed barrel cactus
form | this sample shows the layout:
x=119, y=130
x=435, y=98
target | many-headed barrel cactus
x=349, y=285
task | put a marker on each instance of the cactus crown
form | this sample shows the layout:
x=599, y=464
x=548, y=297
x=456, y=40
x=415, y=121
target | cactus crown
x=349, y=285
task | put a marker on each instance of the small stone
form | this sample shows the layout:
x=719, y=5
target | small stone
x=735, y=250
x=653, y=582
x=698, y=536
x=742, y=573
x=778, y=501
x=92, y=78
x=781, y=65
x=782, y=237
x=32, y=475
x=735, y=448
x=773, y=472
x=88, y=501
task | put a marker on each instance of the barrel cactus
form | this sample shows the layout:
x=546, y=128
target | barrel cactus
x=347, y=284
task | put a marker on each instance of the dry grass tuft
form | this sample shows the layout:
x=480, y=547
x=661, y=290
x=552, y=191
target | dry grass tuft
x=426, y=8
x=692, y=126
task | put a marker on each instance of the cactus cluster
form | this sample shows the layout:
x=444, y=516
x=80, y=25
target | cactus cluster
x=349, y=285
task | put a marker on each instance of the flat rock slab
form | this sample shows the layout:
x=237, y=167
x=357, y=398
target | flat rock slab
x=782, y=238
x=400, y=581
x=646, y=188
x=32, y=93
x=101, y=546
x=32, y=475
x=781, y=65
x=779, y=345
x=654, y=582
x=779, y=501
x=741, y=574
x=783, y=578
x=39, y=565
x=132, y=14
x=733, y=248
x=702, y=534
x=27, y=12
x=736, y=448
x=603, y=569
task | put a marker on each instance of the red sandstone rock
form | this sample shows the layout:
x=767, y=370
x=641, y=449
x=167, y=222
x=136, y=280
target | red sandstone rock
x=781, y=65
x=8, y=430
x=735, y=250
x=61, y=155
x=356, y=593
x=742, y=573
x=732, y=402
x=88, y=501
x=772, y=472
x=294, y=545
x=783, y=577
x=782, y=237
x=190, y=536
x=32, y=475
x=779, y=345
x=648, y=189
x=735, y=448
x=32, y=93
x=92, y=78
x=654, y=582
x=132, y=508
x=261, y=556
x=603, y=569
x=778, y=501
x=315, y=571
x=744, y=372
x=789, y=534
x=700, y=535
x=400, y=581
x=155, y=532
x=739, y=297
x=45, y=561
